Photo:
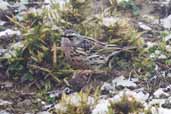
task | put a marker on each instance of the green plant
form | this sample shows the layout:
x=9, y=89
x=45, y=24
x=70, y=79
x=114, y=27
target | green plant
x=40, y=56
x=127, y=105
x=130, y=5
x=77, y=103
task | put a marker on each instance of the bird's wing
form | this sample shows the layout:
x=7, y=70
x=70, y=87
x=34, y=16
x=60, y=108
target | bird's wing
x=96, y=61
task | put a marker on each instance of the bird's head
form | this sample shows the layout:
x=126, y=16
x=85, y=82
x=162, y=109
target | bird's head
x=73, y=37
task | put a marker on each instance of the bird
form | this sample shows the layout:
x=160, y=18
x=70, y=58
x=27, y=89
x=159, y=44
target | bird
x=83, y=52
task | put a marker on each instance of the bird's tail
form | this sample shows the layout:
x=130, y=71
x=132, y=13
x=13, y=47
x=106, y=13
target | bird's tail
x=115, y=53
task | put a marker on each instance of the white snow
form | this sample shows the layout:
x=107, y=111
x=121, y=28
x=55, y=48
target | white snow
x=101, y=107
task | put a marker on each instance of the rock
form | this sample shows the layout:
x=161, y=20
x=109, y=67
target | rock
x=144, y=26
x=139, y=97
x=167, y=38
x=160, y=93
x=101, y=107
x=2, y=23
x=5, y=10
x=156, y=102
x=19, y=6
x=162, y=56
x=6, y=84
x=61, y=3
x=166, y=22
x=168, y=88
x=46, y=107
x=24, y=1
x=5, y=103
x=122, y=1
x=9, y=33
x=168, y=48
x=158, y=52
x=167, y=104
x=160, y=111
x=4, y=112
x=44, y=112
x=2, y=51
x=142, y=96
x=4, y=5
x=150, y=44
x=121, y=82
x=107, y=88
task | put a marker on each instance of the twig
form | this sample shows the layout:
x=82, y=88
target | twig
x=45, y=70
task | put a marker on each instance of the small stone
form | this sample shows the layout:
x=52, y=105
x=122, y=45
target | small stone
x=7, y=84
x=4, y=112
x=2, y=23
x=160, y=111
x=4, y=5
x=101, y=107
x=157, y=102
x=167, y=104
x=61, y=3
x=122, y=1
x=4, y=103
x=168, y=48
x=8, y=33
x=142, y=96
x=160, y=93
x=157, y=52
x=106, y=88
x=2, y=51
x=46, y=107
x=139, y=97
x=167, y=38
x=144, y=27
x=162, y=57
x=166, y=22
x=123, y=83
x=43, y=102
x=150, y=44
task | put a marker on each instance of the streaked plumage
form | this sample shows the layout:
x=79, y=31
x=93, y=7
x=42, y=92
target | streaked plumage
x=87, y=53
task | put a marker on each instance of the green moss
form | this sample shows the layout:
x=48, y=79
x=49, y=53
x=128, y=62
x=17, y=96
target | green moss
x=127, y=105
